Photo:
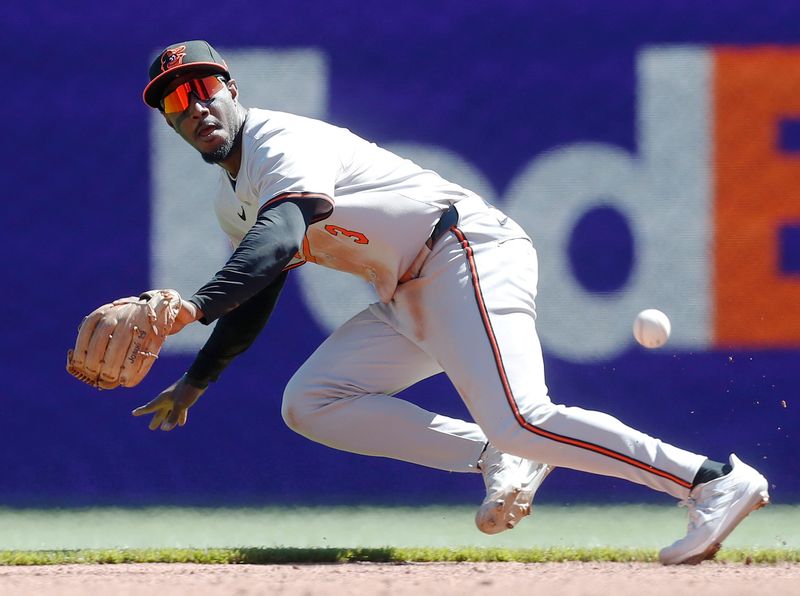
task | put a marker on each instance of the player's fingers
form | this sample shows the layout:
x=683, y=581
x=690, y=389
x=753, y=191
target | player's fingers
x=172, y=420
x=184, y=415
x=151, y=406
x=158, y=418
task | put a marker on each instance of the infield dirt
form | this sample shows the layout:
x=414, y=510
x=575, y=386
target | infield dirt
x=570, y=579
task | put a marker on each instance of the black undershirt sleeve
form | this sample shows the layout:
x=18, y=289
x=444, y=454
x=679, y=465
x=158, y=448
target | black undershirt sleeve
x=233, y=334
x=244, y=292
x=265, y=250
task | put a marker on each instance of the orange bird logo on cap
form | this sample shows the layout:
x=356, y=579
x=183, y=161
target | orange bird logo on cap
x=172, y=57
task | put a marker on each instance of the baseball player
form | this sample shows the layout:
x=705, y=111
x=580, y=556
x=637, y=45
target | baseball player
x=456, y=279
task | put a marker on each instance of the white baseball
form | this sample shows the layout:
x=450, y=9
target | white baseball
x=651, y=328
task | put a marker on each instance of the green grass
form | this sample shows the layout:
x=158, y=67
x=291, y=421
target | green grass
x=331, y=534
x=266, y=556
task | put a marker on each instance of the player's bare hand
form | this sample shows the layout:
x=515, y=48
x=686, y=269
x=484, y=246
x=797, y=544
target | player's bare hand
x=171, y=407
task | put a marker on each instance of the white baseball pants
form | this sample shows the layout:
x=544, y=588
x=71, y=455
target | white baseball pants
x=471, y=314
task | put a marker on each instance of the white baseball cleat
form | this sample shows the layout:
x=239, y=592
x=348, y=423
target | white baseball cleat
x=715, y=509
x=511, y=482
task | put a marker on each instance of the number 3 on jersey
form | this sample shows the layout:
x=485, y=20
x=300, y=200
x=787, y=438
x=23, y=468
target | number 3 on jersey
x=358, y=237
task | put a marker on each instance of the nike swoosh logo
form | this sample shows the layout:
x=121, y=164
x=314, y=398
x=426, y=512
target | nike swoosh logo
x=242, y=215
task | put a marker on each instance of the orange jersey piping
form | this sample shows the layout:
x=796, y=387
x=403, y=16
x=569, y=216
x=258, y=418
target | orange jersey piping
x=287, y=196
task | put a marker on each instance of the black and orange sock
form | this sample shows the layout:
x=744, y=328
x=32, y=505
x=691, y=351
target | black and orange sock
x=710, y=470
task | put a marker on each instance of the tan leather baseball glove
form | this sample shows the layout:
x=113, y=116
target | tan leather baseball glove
x=118, y=342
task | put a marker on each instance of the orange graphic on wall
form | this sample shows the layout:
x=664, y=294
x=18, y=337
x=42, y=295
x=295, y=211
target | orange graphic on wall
x=756, y=194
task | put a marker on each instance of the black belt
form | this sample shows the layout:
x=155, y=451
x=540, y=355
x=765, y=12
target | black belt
x=448, y=219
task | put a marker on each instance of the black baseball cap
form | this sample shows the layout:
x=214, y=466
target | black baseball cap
x=195, y=56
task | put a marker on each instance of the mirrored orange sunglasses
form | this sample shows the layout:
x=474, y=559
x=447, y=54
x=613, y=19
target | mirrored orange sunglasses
x=178, y=100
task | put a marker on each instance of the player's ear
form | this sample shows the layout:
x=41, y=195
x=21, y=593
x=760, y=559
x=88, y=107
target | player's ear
x=232, y=87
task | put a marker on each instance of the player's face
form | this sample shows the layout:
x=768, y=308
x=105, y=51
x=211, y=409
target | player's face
x=210, y=120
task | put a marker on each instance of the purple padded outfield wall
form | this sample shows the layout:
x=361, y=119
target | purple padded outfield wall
x=652, y=150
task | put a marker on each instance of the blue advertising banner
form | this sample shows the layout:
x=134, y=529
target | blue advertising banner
x=651, y=150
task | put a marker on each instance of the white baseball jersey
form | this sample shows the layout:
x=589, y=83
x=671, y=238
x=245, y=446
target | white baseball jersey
x=470, y=312
x=385, y=206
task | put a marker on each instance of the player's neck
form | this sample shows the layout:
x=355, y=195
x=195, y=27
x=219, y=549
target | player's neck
x=234, y=160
